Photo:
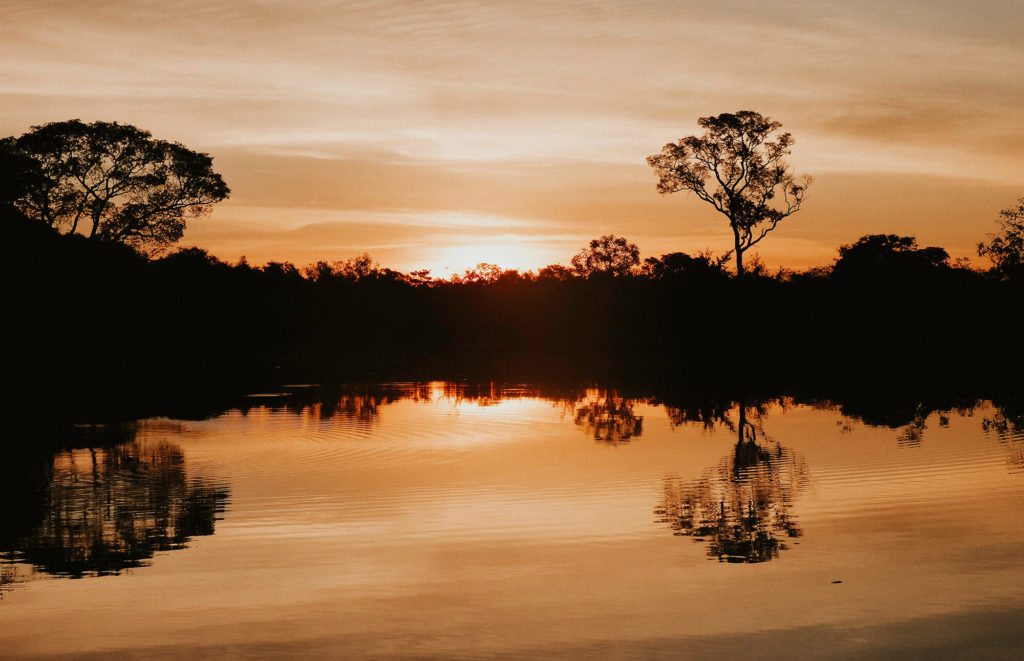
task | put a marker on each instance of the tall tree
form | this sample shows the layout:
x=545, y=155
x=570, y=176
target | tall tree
x=738, y=166
x=1006, y=249
x=114, y=182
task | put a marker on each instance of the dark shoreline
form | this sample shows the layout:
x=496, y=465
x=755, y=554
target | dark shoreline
x=99, y=333
x=887, y=398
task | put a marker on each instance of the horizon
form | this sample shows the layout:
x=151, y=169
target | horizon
x=452, y=134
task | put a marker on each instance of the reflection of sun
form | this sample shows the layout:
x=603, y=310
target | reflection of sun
x=437, y=390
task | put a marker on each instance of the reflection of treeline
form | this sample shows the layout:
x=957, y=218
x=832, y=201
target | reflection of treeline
x=611, y=414
x=1007, y=424
x=95, y=318
x=362, y=402
x=100, y=510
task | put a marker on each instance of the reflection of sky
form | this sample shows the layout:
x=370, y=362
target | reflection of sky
x=331, y=121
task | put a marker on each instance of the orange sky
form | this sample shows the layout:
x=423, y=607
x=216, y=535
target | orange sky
x=442, y=134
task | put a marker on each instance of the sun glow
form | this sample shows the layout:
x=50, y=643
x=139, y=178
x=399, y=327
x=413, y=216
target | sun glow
x=520, y=253
x=344, y=128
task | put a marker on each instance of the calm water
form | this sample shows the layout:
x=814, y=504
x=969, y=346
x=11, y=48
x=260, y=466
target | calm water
x=441, y=521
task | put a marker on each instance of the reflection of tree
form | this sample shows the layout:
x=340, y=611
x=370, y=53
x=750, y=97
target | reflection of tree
x=743, y=507
x=361, y=407
x=908, y=415
x=707, y=412
x=104, y=510
x=358, y=404
x=8, y=577
x=910, y=434
x=1007, y=424
x=361, y=404
x=609, y=418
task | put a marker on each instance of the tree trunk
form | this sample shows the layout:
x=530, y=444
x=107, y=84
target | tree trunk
x=743, y=421
x=739, y=252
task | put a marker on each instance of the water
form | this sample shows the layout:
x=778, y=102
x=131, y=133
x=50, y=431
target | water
x=437, y=521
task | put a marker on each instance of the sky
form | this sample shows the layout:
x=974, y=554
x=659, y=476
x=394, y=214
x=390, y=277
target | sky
x=440, y=134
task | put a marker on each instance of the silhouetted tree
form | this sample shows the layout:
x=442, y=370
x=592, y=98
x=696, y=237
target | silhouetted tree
x=420, y=277
x=482, y=272
x=358, y=267
x=1006, y=249
x=19, y=174
x=353, y=269
x=318, y=272
x=679, y=264
x=282, y=271
x=114, y=182
x=738, y=169
x=555, y=272
x=192, y=256
x=609, y=255
x=888, y=255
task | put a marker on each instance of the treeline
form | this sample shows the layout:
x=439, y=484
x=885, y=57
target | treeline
x=93, y=321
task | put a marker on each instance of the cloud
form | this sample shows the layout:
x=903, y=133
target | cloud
x=520, y=111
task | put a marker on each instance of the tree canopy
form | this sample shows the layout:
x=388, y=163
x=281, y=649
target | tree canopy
x=1006, y=249
x=738, y=166
x=888, y=255
x=110, y=182
x=609, y=255
x=676, y=265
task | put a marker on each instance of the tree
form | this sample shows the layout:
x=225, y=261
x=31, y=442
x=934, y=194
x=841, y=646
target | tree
x=677, y=265
x=1006, y=250
x=610, y=255
x=888, y=255
x=555, y=272
x=19, y=174
x=483, y=273
x=352, y=269
x=112, y=182
x=738, y=166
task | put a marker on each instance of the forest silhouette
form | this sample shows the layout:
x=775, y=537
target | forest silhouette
x=96, y=321
x=107, y=319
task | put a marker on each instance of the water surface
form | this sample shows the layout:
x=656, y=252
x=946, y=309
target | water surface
x=437, y=520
